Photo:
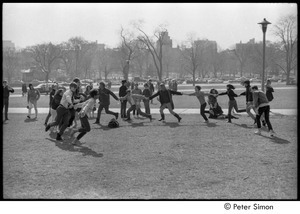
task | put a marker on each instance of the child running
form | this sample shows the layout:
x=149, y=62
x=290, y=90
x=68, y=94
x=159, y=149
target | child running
x=165, y=98
x=135, y=101
x=86, y=107
x=232, y=102
x=32, y=98
x=261, y=104
x=63, y=112
x=201, y=97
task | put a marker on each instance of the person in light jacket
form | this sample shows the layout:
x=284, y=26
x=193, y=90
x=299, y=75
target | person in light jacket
x=261, y=105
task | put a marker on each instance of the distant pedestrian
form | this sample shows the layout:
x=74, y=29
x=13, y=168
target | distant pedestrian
x=165, y=98
x=32, y=98
x=6, y=90
x=232, y=102
x=261, y=104
x=104, y=100
x=24, y=89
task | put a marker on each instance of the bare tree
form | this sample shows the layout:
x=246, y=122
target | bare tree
x=10, y=63
x=286, y=31
x=191, y=57
x=128, y=47
x=156, y=53
x=45, y=56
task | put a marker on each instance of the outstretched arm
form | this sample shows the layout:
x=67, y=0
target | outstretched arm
x=113, y=95
x=154, y=95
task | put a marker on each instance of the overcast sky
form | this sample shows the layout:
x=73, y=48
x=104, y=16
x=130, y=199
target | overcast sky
x=227, y=24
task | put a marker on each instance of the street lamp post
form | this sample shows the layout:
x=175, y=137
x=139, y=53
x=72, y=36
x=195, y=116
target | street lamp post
x=264, y=25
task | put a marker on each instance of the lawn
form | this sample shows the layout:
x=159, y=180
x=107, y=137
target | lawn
x=283, y=98
x=152, y=160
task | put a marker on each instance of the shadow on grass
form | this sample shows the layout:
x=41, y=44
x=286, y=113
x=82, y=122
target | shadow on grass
x=27, y=120
x=276, y=114
x=211, y=124
x=277, y=140
x=172, y=124
x=104, y=128
x=67, y=146
x=245, y=126
x=137, y=124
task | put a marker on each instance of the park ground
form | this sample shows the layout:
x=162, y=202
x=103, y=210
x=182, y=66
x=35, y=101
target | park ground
x=152, y=160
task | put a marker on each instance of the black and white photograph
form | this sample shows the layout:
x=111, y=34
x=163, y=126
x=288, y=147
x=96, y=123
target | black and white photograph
x=150, y=101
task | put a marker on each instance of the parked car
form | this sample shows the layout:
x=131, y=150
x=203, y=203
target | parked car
x=214, y=80
x=255, y=80
x=45, y=88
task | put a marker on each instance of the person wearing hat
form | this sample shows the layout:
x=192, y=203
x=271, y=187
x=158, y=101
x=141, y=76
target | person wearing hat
x=249, y=99
x=232, y=102
x=104, y=95
x=165, y=98
x=122, y=93
x=63, y=113
x=6, y=90
x=261, y=105
x=86, y=107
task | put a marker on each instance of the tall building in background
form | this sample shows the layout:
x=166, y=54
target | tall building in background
x=6, y=44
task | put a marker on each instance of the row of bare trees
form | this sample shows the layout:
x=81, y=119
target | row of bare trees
x=144, y=54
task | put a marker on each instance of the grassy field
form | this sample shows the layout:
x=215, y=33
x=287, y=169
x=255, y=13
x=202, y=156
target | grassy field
x=283, y=98
x=152, y=160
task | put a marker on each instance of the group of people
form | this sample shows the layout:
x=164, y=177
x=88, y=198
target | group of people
x=68, y=106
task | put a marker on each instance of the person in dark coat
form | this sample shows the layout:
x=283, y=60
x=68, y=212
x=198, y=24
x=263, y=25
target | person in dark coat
x=24, y=89
x=6, y=90
x=104, y=101
x=165, y=98
x=122, y=93
x=232, y=102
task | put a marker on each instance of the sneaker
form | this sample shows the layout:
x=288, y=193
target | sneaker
x=74, y=142
x=28, y=117
x=58, y=137
x=272, y=133
x=179, y=119
x=96, y=122
x=206, y=121
x=258, y=132
x=150, y=118
x=264, y=123
x=47, y=128
x=117, y=116
x=161, y=119
x=228, y=121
